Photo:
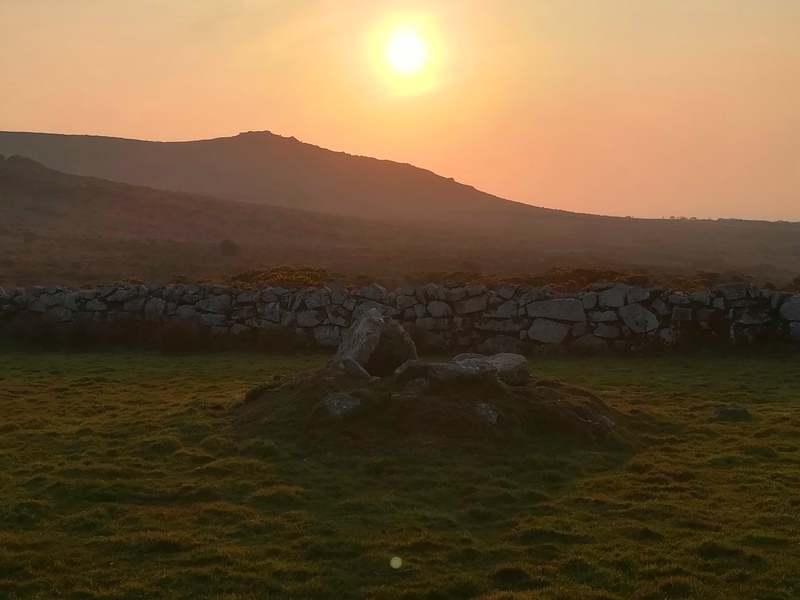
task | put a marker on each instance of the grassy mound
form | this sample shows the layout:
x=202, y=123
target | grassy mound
x=467, y=416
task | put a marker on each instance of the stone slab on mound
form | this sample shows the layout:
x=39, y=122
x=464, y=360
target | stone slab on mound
x=329, y=410
x=375, y=343
x=509, y=368
x=376, y=391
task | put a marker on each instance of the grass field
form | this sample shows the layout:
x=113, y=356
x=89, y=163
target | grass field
x=123, y=476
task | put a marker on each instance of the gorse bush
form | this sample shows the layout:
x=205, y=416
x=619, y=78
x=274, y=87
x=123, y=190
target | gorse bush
x=285, y=276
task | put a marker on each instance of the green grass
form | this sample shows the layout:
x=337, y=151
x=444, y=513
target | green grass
x=124, y=476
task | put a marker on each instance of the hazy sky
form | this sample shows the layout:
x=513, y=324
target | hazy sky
x=626, y=107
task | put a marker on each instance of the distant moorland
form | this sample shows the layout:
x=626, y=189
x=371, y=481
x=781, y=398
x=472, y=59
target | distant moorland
x=278, y=201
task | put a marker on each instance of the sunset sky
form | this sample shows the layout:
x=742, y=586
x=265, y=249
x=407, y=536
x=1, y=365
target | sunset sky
x=647, y=108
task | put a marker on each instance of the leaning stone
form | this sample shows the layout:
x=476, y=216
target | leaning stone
x=638, y=318
x=353, y=369
x=340, y=404
x=377, y=343
x=487, y=412
x=472, y=369
x=548, y=332
x=725, y=413
x=512, y=369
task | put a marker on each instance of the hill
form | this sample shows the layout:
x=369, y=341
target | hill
x=60, y=228
x=263, y=168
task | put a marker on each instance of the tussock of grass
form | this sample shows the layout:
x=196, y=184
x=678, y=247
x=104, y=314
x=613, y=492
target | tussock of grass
x=127, y=475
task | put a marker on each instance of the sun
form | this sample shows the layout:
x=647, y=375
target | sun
x=407, y=51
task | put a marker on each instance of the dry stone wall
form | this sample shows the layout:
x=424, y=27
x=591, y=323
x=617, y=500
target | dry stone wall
x=508, y=318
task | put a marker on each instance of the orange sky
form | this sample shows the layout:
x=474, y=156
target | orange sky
x=628, y=107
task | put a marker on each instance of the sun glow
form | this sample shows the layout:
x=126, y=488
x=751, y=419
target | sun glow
x=406, y=51
x=408, y=54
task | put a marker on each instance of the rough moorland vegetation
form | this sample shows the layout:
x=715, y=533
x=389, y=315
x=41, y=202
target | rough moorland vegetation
x=125, y=476
x=65, y=229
